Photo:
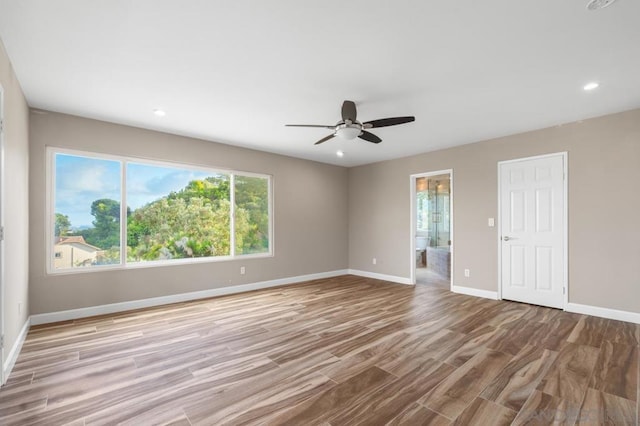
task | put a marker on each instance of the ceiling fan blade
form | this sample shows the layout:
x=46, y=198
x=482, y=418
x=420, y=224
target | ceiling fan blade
x=310, y=125
x=326, y=138
x=369, y=137
x=349, y=111
x=384, y=122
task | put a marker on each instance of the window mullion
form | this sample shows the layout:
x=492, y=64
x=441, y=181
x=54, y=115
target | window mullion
x=123, y=213
x=232, y=212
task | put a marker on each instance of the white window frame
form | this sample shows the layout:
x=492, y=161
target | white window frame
x=124, y=160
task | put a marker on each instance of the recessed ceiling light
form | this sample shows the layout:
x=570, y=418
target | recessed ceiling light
x=159, y=112
x=591, y=86
x=340, y=154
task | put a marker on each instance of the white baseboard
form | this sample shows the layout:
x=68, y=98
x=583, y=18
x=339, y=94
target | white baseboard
x=174, y=298
x=475, y=292
x=374, y=275
x=12, y=357
x=604, y=312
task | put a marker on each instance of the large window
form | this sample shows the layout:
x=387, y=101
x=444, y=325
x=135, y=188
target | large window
x=173, y=213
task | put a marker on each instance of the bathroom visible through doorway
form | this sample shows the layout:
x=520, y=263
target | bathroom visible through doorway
x=432, y=228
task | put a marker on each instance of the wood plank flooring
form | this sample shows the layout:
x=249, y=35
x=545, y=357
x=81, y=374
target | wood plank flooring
x=340, y=351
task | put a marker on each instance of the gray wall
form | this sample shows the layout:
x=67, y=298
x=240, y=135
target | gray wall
x=325, y=215
x=310, y=212
x=16, y=203
x=604, y=208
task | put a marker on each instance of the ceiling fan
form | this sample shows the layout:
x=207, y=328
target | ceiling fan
x=350, y=128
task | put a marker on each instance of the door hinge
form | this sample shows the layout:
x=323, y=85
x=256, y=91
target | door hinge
x=1, y=233
x=2, y=342
x=1, y=126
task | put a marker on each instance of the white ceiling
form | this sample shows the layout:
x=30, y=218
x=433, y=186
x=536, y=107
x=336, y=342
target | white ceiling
x=237, y=71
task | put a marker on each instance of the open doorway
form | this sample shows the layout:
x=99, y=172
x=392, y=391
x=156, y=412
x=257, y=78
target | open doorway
x=431, y=228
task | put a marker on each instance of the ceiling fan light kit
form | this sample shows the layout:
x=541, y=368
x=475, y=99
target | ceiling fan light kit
x=349, y=128
x=348, y=131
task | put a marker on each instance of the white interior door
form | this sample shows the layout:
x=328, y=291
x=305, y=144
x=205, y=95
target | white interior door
x=532, y=224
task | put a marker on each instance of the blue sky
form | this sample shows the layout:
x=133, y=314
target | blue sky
x=82, y=180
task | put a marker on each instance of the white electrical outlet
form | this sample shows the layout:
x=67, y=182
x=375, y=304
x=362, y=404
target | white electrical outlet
x=375, y=261
x=467, y=273
x=242, y=270
x=492, y=222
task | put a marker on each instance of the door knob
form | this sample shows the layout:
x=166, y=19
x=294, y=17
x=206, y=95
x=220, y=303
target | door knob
x=507, y=238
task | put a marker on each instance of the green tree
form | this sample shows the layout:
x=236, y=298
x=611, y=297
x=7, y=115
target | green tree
x=212, y=188
x=252, y=198
x=63, y=224
x=172, y=228
x=105, y=233
x=195, y=221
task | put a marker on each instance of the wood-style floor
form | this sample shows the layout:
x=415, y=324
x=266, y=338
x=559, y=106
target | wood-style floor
x=339, y=351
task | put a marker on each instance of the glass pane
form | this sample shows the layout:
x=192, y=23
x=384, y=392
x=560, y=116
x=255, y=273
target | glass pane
x=422, y=204
x=87, y=212
x=176, y=213
x=439, y=218
x=252, y=214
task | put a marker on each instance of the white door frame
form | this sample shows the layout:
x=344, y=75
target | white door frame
x=414, y=220
x=565, y=218
x=2, y=349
